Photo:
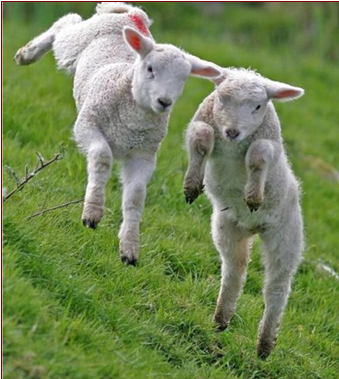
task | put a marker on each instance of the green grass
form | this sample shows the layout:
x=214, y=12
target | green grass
x=72, y=310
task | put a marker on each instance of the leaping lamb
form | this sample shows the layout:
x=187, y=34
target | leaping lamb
x=125, y=86
x=236, y=150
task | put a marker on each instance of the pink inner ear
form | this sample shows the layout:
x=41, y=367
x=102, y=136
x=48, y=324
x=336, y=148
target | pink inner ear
x=135, y=42
x=138, y=22
x=286, y=93
x=207, y=71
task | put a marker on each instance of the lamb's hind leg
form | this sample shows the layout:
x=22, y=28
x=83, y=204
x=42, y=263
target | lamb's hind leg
x=42, y=44
x=282, y=258
x=233, y=245
x=135, y=174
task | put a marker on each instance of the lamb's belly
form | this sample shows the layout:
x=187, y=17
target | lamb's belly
x=254, y=222
x=225, y=180
x=226, y=192
x=235, y=209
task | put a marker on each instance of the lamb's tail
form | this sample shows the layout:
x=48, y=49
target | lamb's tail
x=110, y=7
x=42, y=44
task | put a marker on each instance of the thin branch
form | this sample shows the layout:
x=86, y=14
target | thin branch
x=54, y=208
x=26, y=171
x=12, y=174
x=28, y=176
x=41, y=160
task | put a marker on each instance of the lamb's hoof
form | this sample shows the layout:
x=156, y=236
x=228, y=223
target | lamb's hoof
x=91, y=224
x=192, y=192
x=92, y=215
x=128, y=261
x=254, y=203
x=21, y=57
x=264, y=349
x=129, y=252
x=220, y=322
x=253, y=208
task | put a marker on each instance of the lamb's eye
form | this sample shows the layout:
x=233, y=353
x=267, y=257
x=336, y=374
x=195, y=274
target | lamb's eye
x=258, y=107
x=150, y=69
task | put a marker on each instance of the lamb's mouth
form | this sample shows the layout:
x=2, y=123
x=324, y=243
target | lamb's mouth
x=160, y=109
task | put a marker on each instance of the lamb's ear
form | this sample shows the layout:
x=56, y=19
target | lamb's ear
x=137, y=42
x=282, y=92
x=203, y=68
x=219, y=79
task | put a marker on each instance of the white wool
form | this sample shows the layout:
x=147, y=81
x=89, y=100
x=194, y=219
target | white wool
x=125, y=86
x=236, y=151
x=113, y=7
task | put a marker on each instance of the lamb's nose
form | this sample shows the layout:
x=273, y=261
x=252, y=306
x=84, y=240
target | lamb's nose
x=164, y=102
x=232, y=133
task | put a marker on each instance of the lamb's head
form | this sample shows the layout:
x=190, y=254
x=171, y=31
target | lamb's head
x=241, y=101
x=161, y=71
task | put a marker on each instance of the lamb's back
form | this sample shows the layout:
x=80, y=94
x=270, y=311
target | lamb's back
x=100, y=53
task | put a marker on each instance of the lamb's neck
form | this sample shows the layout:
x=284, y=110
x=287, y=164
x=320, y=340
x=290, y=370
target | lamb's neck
x=269, y=128
x=140, y=113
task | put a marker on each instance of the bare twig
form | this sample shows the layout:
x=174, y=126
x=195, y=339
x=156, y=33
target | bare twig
x=26, y=171
x=54, y=208
x=13, y=175
x=40, y=161
x=41, y=164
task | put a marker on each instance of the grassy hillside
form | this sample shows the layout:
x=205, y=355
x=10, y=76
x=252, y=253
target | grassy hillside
x=71, y=309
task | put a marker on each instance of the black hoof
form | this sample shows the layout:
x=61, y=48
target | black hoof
x=192, y=195
x=220, y=324
x=221, y=328
x=89, y=224
x=264, y=349
x=189, y=200
x=128, y=261
x=263, y=355
x=253, y=207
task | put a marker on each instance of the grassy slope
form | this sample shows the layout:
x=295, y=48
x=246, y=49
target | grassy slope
x=72, y=310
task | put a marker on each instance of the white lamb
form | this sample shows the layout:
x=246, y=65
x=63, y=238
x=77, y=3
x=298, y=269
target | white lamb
x=236, y=151
x=125, y=86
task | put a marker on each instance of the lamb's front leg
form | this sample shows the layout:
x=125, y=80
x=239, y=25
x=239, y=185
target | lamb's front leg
x=260, y=155
x=135, y=174
x=99, y=165
x=200, y=142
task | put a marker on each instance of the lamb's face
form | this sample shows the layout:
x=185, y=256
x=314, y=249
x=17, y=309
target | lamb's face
x=159, y=79
x=239, y=107
x=160, y=71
